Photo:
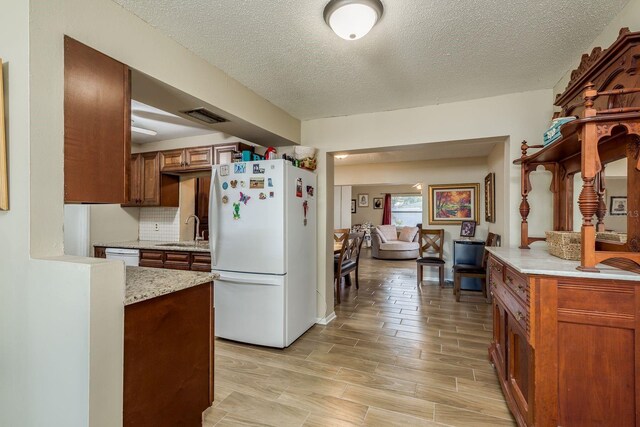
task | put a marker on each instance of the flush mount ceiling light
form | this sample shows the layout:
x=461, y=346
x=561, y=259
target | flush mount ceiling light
x=341, y=156
x=352, y=19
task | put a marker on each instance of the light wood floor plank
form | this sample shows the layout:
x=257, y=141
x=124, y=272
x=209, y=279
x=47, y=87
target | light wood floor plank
x=396, y=355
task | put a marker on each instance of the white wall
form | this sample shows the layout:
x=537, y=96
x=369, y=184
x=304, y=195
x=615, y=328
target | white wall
x=369, y=214
x=515, y=117
x=113, y=223
x=61, y=318
x=342, y=206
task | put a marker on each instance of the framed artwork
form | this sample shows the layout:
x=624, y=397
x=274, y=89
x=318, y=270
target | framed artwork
x=363, y=200
x=490, y=197
x=618, y=205
x=450, y=204
x=353, y=206
x=4, y=173
x=468, y=229
x=377, y=203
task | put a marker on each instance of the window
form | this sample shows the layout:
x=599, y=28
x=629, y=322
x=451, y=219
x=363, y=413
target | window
x=406, y=209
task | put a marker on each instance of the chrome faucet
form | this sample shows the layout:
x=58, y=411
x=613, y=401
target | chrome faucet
x=198, y=237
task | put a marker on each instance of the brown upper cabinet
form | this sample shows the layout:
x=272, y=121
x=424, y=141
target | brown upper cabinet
x=187, y=159
x=148, y=186
x=97, y=120
x=223, y=153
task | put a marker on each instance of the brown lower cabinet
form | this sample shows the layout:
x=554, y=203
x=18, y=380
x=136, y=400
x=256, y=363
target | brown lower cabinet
x=175, y=260
x=566, y=349
x=168, y=358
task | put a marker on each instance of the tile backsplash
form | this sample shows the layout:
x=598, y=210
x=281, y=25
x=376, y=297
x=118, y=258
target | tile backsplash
x=159, y=224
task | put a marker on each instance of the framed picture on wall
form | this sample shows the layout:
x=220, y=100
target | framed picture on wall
x=618, y=205
x=363, y=200
x=450, y=204
x=353, y=206
x=377, y=203
x=490, y=198
x=468, y=229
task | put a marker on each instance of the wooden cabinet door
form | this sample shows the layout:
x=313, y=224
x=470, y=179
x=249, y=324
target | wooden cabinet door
x=224, y=154
x=97, y=126
x=500, y=335
x=173, y=160
x=198, y=158
x=203, y=185
x=135, y=181
x=520, y=368
x=150, y=181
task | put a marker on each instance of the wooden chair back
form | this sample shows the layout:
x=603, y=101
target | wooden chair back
x=492, y=241
x=358, y=240
x=339, y=234
x=432, y=242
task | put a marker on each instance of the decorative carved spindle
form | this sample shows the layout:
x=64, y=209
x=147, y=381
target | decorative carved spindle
x=588, y=201
x=590, y=94
x=525, y=208
x=602, y=206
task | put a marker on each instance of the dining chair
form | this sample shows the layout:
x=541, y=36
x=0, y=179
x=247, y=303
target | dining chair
x=431, y=251
x=474, y=271
x=348, y=260
x=339, y=235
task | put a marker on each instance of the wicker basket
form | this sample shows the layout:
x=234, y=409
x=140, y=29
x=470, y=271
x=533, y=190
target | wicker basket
x=611, y=236
x=564, y=244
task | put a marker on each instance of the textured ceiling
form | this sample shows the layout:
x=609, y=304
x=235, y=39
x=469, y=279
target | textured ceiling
x=433, y=151
x=421, y=52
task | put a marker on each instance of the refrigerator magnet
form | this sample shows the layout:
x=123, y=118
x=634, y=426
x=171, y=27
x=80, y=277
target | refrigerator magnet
x=236, y=210
x=269, y=182
x=225, y=199
x=239, y=167
x=263, y=196
x=224, y=170
x=233, y=183
x=244, y=198
x=242, y=184
x=299, y=187
x=256, y=183
x=271, y=194
x=225, y=185
x=257, y=169
x=309, y=191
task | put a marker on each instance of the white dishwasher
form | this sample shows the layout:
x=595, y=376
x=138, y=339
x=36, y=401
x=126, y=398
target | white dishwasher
x=130, y=257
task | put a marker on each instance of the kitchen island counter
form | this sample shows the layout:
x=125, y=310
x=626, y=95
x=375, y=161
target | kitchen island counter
x=146, y=283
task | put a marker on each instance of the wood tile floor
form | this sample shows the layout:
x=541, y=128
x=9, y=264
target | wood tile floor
x=395, y=356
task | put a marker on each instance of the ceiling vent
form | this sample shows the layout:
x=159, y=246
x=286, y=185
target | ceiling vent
x=205, y=115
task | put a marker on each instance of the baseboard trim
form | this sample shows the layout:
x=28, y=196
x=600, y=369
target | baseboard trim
x=327, y=319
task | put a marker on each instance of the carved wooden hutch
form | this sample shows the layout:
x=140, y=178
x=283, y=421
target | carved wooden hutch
x=566, y=337
x=604, y=94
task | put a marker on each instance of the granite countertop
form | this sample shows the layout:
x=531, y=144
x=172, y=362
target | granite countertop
x=158, y=246
x=145, y=283
x=539, y=261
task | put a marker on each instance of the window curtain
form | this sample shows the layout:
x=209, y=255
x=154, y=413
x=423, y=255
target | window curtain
x=386, y=213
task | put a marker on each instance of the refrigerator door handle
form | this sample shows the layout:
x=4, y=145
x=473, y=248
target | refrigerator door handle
x=249, y=281
x=214, y=216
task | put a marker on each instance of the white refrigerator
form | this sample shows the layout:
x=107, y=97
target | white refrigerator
x=263, y=245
